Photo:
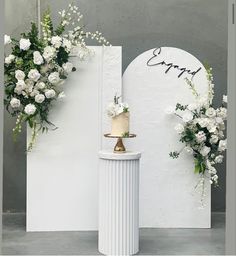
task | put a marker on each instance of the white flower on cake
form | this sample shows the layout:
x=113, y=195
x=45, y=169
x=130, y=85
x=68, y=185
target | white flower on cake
x=9, y=59
x=34, y=75
x=201, y=132
x=30, y=109
x=54, y=78
x=25, y=44
x=7, y=39
x=38, y=59
x=15, y=103
x=19, y=75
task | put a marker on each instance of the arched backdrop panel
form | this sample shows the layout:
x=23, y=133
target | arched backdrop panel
x=167, y=187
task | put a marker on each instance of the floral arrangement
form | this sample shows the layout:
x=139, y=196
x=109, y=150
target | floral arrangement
x=201, y=131
x=115, y=108
x=39, y=65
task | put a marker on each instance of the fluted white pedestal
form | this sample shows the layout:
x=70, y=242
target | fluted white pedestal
x=119, y=203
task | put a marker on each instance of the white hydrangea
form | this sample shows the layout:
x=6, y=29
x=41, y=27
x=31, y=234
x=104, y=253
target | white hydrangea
x=19, y=75
x=34, y=75
x=203, y=122
x=38, y=59
x=15, y=103
x=25, y=44
x=56, y=41
x=50, y=94
x=54, y=78
x=30, y=109
x=39, y=98
x=67, y=44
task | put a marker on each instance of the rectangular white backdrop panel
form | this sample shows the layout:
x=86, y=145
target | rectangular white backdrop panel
x=62, y=182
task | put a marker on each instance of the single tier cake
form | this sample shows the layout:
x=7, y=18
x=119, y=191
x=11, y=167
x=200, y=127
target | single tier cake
x=120, y=125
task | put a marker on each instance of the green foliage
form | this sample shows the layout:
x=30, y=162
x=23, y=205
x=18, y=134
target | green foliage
x=62, y=56
x=125, y=135
x=180, y=107
x=174, y=154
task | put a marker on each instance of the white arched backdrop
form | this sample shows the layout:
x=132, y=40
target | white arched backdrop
x=151, y=83
x=62, y=180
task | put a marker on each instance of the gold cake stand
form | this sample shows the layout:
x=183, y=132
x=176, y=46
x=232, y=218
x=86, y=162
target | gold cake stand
x=119, y=147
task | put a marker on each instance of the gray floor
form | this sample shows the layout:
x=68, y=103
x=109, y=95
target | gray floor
x=152, y=241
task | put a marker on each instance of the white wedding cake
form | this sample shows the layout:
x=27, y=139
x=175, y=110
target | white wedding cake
x=119, y=113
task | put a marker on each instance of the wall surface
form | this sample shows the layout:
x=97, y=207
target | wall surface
x=197, y=26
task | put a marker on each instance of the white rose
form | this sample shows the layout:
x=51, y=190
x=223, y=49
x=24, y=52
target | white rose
x=222, y=112
x=170, y=110
x=111, y=110
x=205, y=150
x=54, y=78
x=38, y=59
x=61, y=95
x=189, y=150
x=210, y=112
x=15, y=103
x=9, y=59
x=56, y=41
x=7, y=40
x=214, y=139
x=222, y=145
x=40, y=85
x=187, y=117
x=225, y=99
x=39, y=98
x=219, y=120
x=67, y=67
x=203, y=122
x=20, y=86
x=30, y=109
x=19, y=75
x=49, y=52
x=34, y=75
x=219, y=159
x=50, y=93
x=67, y=44
x=25, y=44
x=179, y=128
x=200, y=136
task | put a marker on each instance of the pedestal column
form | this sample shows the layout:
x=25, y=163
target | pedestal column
x=119, y=203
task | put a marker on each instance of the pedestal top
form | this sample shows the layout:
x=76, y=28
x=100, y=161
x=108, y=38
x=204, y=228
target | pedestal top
x=128, y=155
